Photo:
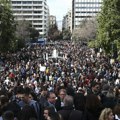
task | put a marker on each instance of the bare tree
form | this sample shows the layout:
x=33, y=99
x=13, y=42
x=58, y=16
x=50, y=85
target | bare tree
x=86, y=31
x=22, y=29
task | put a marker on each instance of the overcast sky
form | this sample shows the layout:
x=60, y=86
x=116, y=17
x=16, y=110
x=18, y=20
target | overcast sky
x=59, y=8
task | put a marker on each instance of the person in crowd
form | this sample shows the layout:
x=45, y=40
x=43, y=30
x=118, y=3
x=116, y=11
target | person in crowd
x=43, y=100
x=3, y=103
x=51, y=99
x=55, y=116
x=116, y=112
x=42, y=97
x=106, y=114
x=59, y=102
x=81, y=70
x=26, y=99
x=93, y=107
x=10, y=104
x=8, y=115
x=28, y=113
x=79, y=101
x=70, y=90
x=109, y=100
x=48, y=111
x=68, y=112
x=95, y=88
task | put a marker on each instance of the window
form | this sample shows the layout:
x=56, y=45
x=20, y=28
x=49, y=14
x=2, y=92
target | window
x=27, y=11
x=40, y=30
x=16, y=7
x=38, y=26
x=27, y=7
x=37, y=21
x=37, y=11
x=37, y=7
x=37, y=2
x=40, y=16
x=27, y=2
x=16, y=2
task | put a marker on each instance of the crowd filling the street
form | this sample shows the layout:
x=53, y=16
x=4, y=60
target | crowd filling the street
x=59, y=81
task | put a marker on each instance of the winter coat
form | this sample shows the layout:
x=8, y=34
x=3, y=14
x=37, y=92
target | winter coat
x=68, y=113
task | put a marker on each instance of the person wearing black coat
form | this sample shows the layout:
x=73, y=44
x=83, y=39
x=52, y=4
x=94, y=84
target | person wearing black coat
x=59, y=102
x=68, y=112
x=93, y=108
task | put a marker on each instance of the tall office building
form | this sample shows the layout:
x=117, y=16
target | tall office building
x=84, y=9
x=34, y=11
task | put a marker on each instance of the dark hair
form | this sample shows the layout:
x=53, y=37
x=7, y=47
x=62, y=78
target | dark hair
x=79, y=101
x=28, y=112
x=50, y=109
x=27, y=91
x=19, y=90
x=92, y=102
x=34, y=96
x=62, y=90
x=93, y=84
x=49, y=93
x=116, y=109
x=55, y=116
x=4, y=99
x=8, y=115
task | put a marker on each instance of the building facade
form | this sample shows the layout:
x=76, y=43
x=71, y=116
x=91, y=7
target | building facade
x=67, y=21
x=52, y=20
x=34, y=11
x=84, y=9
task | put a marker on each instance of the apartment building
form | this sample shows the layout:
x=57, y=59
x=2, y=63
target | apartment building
x=84, y=9
x=67, y=21
x=52, y=21
x=34, y=11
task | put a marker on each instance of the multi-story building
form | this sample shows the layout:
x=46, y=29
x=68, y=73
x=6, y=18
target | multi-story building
x=67, y=21
x=52, y=21
x=34, y=11
x=84, y=9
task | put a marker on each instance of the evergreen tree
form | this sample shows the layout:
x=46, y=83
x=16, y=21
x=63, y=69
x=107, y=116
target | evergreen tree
x=7, y=26
x=109, y=26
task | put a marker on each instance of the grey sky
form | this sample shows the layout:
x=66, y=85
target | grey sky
x=59, y=8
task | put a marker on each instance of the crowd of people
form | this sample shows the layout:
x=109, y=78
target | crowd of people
x=81, y=84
